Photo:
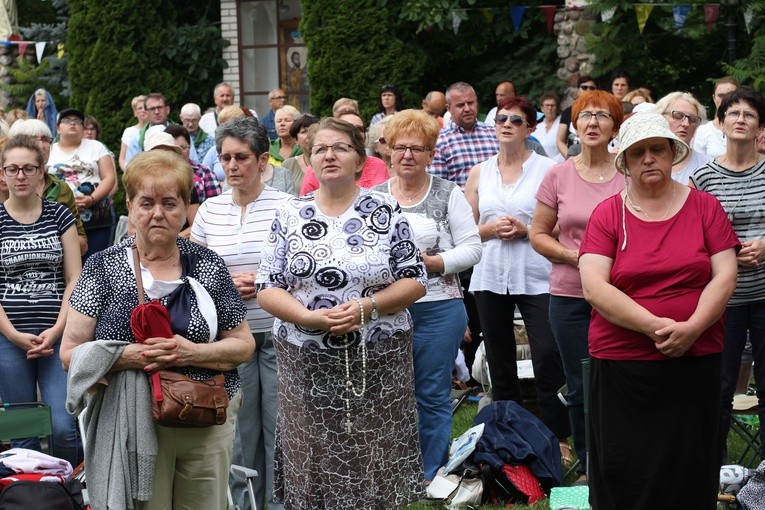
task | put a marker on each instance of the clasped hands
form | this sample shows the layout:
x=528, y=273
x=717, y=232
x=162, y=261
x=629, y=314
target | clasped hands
x=161, y=353
x=507, y=228
x=751, y=253
x=338, y=320
x=673, y=338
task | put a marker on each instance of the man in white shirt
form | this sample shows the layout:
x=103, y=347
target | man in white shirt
x=223, y=95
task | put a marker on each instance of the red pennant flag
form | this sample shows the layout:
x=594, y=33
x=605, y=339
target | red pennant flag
x=549, y=11
x=711, y=13
x=23, y=48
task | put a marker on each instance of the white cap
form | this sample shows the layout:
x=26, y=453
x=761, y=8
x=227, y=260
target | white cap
x=160, y=140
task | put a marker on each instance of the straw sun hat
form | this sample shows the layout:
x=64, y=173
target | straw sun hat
x=641, y=126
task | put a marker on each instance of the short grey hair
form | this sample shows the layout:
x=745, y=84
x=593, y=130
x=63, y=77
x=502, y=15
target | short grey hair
x=30, y=127
x=460, y=86
x=273, y=92
x=191, y=109
x=245, y=129
x=663, y=104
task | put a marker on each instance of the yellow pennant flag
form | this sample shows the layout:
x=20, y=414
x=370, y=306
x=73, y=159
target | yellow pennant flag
x=60, y=49
x=488, y=15
x=642, y=11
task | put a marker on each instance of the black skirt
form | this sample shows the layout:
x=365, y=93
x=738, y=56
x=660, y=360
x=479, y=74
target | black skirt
x=654, y=433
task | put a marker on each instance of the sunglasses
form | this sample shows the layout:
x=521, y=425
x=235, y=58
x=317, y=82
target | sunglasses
x=588, y=87
x=515, y=120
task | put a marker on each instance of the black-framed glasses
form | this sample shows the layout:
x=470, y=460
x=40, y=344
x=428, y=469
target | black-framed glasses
x=588, y=87
x=599, y=116
x=515, y=120
x=13, y=170
x=693, y=120
x=71, y=120
x=44, y=139
x=156, y=109
x=240, y=157
x=416, y=150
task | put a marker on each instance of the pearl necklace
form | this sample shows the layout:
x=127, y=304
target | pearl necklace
x=409, y=199
x=349, y=386
x=639, y=209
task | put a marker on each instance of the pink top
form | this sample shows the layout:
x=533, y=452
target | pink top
x=373, y=173
x=574, y=199
x=664, y=268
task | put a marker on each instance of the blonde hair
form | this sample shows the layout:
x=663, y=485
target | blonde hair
x=415, y=122
x=165, y=167
x=230, y=112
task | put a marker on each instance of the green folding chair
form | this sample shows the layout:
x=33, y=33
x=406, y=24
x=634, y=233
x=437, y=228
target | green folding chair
x=26, y=419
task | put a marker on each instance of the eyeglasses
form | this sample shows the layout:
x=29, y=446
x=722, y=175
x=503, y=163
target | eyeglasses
x=279, y=97
x=416, y=150
x=693, y=120
x=599, y=116
x=13, y=170
x=515, y=120
x=43, y=139
x=240, y=157
x=71, y=120
x=338, y=148
x=588, y=87
x=155, y=109
x=735, y=114
x=90, y=128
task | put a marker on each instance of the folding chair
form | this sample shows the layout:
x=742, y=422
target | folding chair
x=249, y=475
x=26, y=420
x=746, y=428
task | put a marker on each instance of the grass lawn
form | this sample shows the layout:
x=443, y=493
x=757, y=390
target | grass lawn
x=463, y=420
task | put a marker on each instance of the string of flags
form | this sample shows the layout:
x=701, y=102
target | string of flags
x=643, y=12
x=38, y=45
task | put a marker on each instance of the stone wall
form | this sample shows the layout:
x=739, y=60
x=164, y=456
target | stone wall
x=571, y=27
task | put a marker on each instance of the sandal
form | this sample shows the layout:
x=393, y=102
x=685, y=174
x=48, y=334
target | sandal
x=566, y=455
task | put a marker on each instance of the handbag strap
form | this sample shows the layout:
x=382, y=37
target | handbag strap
x=138, y=278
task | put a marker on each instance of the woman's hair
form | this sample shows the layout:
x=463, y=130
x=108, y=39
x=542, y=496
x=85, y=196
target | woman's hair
x=746, y=95
x=377, y=131
x=16, y=114
x=288, y=109
x=549, y=95
x=165, y=167
x=303, y=120
x=89, y=119
x=663, y=105
x=30, y=127
x=230, y=112
x=176, y=130
x=412, y=122
x=41, y=92
x=621, y=73
x=341, y=126
x=137, y=100
x=523, y=104
x=392, y=89
x=602, y=99
x=23, y=142
x=638, y=92
x=345, y=105
x=245, y=129
x=584, y=78
x=726, y=79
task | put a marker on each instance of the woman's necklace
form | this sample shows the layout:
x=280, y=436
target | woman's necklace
x=410, y=199
x=639, y=209
x=306, y=163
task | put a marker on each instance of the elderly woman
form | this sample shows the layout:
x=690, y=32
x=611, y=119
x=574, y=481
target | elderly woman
x=710, y=138
x=142, y=116
x=87, y=167
x=511, y=274
x=338, y=270
x=448, y=240
x=285, y=146
x=737, y=180
x=377, y=145
x=41, y=107
x=547, y=132
x=684, y=114
x=297, y=165
x=565, y=199
x=40, y=265
x=658, y=264
x=245, y=212
x=210, y=337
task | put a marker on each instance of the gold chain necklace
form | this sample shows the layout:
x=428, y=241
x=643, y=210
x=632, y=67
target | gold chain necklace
x=639, y=209
x=409, y=199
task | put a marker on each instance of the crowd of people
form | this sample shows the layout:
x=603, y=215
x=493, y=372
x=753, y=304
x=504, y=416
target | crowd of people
x=331, y=269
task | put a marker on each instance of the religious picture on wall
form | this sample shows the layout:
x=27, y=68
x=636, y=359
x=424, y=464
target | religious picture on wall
x=293, y=56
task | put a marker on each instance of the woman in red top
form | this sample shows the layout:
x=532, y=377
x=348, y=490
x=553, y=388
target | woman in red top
x=658, y=265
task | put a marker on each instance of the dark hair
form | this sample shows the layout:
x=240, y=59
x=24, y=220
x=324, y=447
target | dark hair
x=523, y=104
x=157, y=96
x=746, y=95
x=176, y=130
x=584, y=78
x=92, y=120
x=246, y=129
x=549, y=95
x=390, y=88
x=23, y=142
x=621, y=73
x=303, y=120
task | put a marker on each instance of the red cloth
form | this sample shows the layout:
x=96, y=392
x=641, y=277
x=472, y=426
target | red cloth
x=664, y=268
x=30, y=477
x=151, y=320
x=373, y=173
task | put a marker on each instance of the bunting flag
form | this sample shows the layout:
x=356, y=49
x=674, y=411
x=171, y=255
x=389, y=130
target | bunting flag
x=40, y=49
x=748, y=15
x=60, y=50
x=456, y=21
x=23, y=48
x=680, y=12
x=711, y=13
x=549, y=11
x=488, y=15
x=643, y=11
x=606, y=15
x=516, y=13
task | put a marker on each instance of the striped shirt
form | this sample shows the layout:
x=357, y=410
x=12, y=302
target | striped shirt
x=219, y=225
x=458, y=150
x=742, y=195
x=32, y=267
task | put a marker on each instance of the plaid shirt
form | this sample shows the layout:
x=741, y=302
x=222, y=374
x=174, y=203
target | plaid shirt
x=202, y=143
x=205, y=182
x=457, y=151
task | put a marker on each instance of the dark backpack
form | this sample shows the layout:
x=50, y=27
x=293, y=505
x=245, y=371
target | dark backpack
x=26, y=495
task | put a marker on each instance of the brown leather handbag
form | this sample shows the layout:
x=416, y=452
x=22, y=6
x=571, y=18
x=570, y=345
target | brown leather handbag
x=177, y=400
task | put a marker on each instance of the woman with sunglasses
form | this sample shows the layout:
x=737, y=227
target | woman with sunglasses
x=511, y=274
x=40, y=265
x=684, y=114
x=565, y=200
